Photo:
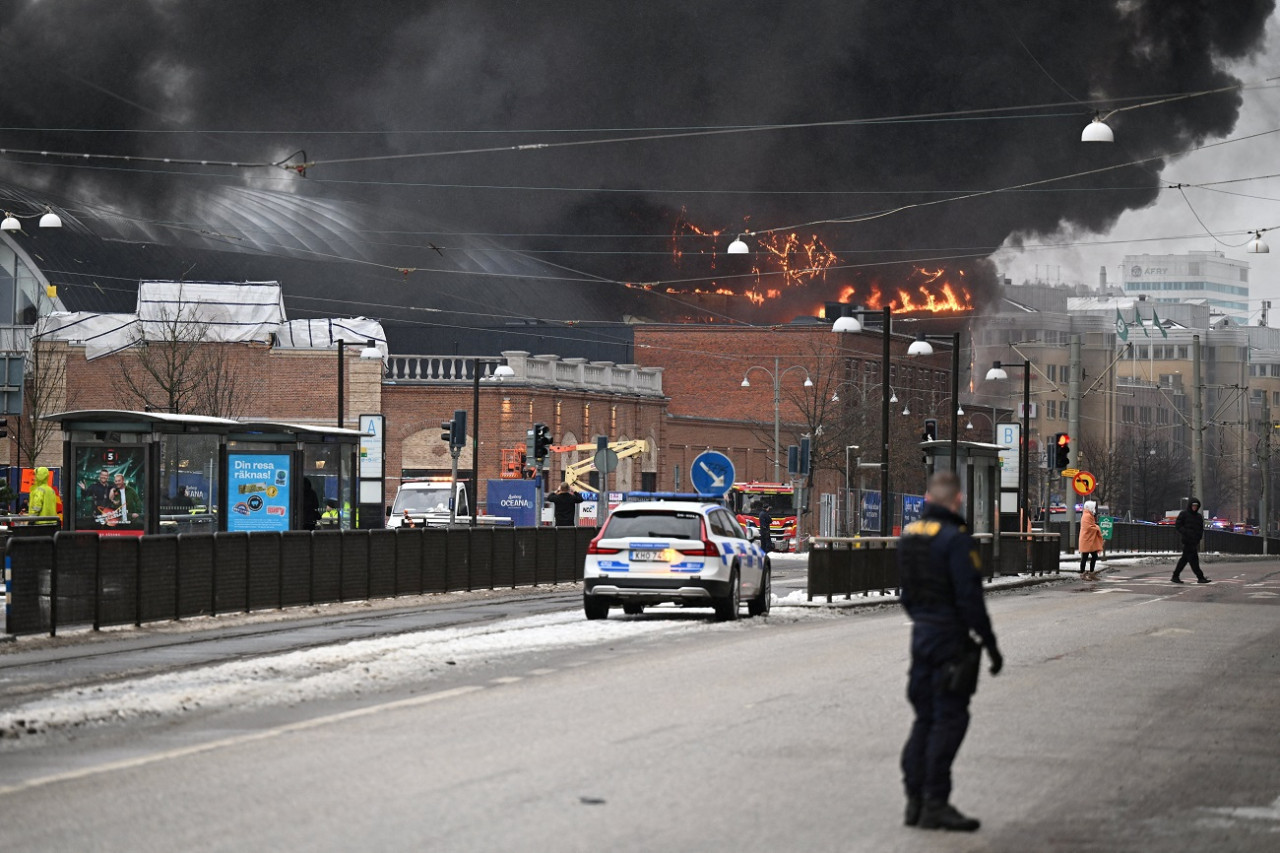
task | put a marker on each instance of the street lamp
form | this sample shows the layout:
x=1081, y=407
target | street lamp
x=922, y=347
x=776, y=375
x=847, y=324
x=998, y=373
x=369, y=352
x=848, y=515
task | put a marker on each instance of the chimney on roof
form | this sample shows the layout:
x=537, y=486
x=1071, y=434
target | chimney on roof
x=1102, y=278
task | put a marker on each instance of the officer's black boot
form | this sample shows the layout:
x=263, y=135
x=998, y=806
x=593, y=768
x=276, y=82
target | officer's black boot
x=937, y=814
x=912, y=817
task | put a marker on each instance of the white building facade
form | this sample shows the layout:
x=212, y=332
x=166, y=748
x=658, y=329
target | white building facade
x=1222, y=283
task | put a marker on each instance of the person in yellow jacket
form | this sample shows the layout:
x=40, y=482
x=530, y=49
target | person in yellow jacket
x=44, y=500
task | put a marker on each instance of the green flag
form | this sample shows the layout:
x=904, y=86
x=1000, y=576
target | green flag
x=1155, y=321
x=1122, y=328
x=1137, y=319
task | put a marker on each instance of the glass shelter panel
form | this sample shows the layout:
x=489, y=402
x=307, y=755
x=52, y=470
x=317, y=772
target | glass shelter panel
x=189, y=485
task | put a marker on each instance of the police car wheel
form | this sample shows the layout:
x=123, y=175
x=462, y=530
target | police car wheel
x=633, y=609
x=727, y=607
x=759, y=606
x=594, y=608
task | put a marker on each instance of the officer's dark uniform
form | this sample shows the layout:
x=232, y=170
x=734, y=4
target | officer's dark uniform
x=942, y=591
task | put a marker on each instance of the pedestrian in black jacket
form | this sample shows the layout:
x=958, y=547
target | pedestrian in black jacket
x=941, y=576
x=1190, y=527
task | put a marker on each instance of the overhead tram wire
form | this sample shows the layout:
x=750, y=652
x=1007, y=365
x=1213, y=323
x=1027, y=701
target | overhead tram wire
x=633, y=135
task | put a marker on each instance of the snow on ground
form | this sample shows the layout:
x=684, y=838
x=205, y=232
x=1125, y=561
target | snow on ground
x=351, y=667
x=384, y=662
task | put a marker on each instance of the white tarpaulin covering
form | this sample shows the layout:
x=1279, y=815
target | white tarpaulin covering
x=232, y=313
x=226, y=313
x=325, y=334
x=101, y=334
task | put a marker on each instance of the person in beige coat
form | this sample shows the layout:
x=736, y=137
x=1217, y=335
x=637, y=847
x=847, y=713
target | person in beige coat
x=1090, y=536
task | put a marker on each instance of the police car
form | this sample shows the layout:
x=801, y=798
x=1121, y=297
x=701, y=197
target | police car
x=689, y=552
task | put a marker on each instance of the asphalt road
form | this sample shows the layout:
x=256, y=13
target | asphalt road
x=1133, y=715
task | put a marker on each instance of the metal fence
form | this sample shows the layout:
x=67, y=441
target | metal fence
x=1128, y=536
x=86, y=579
x=849, y=566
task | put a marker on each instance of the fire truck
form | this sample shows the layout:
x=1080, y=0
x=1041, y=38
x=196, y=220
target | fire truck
x=743, y=499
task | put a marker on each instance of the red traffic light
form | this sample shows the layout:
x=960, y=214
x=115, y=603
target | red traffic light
x=1063, y=439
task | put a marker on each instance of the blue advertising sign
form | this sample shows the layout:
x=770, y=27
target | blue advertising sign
x=711, y=473
x=912, y=508
x=259, y=487
x=513, y=499
x=871, y=511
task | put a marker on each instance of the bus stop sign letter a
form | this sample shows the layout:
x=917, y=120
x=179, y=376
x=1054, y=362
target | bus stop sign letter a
x=711, y=473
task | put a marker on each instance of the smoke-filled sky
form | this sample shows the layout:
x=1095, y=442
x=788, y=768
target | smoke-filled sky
x=727, y=116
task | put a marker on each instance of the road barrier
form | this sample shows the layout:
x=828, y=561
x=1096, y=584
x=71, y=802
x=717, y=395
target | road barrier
x=73, y=578
x=1131, y=536
x=849, y=566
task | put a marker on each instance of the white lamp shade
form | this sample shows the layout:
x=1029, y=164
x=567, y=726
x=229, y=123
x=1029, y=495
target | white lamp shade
x=893, y=396
x=745, y=383
x=808, y=383
x=371, y=352
x=50, y=220
x=906, y=410
x=503, y=371
x=846, y=324
x=738, y=247
x=959, y=411
x=1258, y=247
x=996, y=373
x=920, y=347
x=835, y=398
x=1097, y=131
x=10, y=223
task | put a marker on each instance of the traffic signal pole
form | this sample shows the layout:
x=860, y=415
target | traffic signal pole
x=1073, y=429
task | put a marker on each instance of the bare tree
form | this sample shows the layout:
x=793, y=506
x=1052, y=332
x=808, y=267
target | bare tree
x=44, y=392
x=174, y=367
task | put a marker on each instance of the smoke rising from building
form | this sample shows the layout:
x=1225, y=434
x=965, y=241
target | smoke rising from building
x=257, y=82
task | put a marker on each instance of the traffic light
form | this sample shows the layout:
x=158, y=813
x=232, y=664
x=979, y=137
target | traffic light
x=930, y=430
x=1062, y=451
x=455, y=431
x=541, y=442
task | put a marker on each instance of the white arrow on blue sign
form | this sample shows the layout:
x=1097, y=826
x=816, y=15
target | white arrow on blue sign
x=711, y=473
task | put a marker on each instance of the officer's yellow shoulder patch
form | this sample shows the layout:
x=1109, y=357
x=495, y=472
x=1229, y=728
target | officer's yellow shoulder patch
x=976, y=559
x=922, y=528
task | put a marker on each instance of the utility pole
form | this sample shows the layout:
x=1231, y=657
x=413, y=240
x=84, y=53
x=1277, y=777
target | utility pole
x=1197, y=422
x=1073, y=428
x=1264, y=508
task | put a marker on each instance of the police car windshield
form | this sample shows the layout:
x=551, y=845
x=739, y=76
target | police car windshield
x=667, y=524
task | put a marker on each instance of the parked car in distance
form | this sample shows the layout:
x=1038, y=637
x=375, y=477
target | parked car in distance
x=688, y=552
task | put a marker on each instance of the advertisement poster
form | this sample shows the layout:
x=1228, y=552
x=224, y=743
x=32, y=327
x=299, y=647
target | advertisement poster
x=110, y=490
x=258, y=491
x=871, y=511
x=912, y=508
x=513, y=499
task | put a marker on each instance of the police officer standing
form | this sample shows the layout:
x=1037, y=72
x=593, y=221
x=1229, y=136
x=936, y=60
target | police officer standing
x=941, y=577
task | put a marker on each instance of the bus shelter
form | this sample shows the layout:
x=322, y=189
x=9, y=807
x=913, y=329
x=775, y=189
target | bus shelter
x=131, y=473
x=979, y=470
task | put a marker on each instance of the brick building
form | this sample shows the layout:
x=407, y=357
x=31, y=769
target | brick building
x=704, y=368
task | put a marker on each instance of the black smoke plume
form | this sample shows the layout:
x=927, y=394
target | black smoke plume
x=252, y=81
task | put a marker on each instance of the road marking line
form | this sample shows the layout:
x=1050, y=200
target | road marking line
x=540, y=672
x=506, y=679
x=235, y=740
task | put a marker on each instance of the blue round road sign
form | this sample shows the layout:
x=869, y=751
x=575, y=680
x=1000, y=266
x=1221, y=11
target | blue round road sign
x=711, y=473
